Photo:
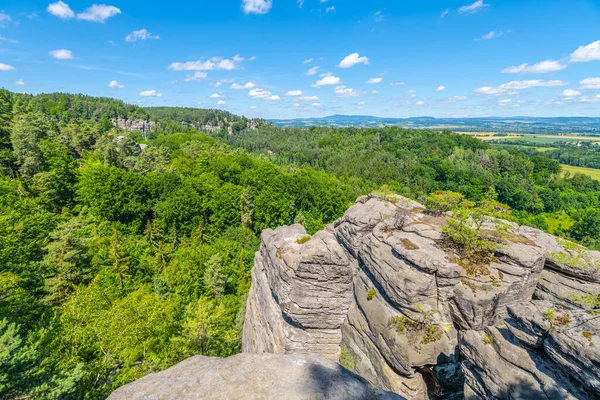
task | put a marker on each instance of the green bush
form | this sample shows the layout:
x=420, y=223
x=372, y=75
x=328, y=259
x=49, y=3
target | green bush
x=303, y=239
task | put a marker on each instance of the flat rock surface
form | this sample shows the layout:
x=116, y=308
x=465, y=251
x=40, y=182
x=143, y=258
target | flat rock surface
x=251, y=376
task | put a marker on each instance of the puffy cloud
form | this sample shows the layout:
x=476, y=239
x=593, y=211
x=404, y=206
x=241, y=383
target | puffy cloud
x=397, y=83
x=60, y=10
x=343, y=91
x=296, y=105
x=150, y=93
x=196, y=76
x=591, y=52
x=492, y=35
x=61, y=54
x=504, y=102
x=361, y=103
x=420, y=103
x=440, y=88
x=539, y=68
x=215, y=63
x=216, y=96
x=518, y=85
x=247, y=85
x=327, y=80
x=98, y=13
x=256, y=6
x=252, y=107
x=294, y=93
x=312, y=71
x=20, y=82
x=570, y=93
x=6, y=67
x=308, y=61
x=329, y=9
x=141, y=34
x=308, y=98
x=115, y=85
x=220, y=102
x=472, y=8
x=374, y=81
x=317, y=105
x=590, y=83
x=352, y=60
x=262, y=94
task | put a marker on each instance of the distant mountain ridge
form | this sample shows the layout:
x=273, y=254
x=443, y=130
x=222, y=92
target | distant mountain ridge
x=549, y=125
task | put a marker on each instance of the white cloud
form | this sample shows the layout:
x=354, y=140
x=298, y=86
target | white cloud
x=374, y=81
x=252, y=107
x=141, y=34
x=329, y=9
x=237, y=58
x=539, y=68
x=115, y=85
x=308, y=61
x=591, y=52
x=196, y=76
x=491, y=35
x=262, y=94
x=216, y=96
x=590, y=83
x=587, y=99
x=61, y=54
x=411, y=91
x=150, y=93
x=6, y=67
x=215, y=63
x=312, y=71
x=98, y=13
x=294, y=93
x=446, y=12
x=397, y=84
x=252, y=59
x=504, y=101
x=4, y=39
x=20, y=82
x=4, y=18
x=318, y=105
x=375, y=92
x=518, y=85
x=327, y=80
x=308, y=98
x=352, y=60
x=60, y=10
x=220, y=102
x=472, y=8
x=420, y=103
x=247, y=85
x=454, y=99
x=296, y=105
x=570, y=93
x=256, y=6
x=221, y=82
x=361, y=103
x=440, y=88
x=343, y=91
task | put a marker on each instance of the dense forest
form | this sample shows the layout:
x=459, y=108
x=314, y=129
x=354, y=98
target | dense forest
x=121, y=256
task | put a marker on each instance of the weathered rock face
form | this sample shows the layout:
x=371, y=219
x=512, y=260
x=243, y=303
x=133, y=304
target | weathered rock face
x=251, y=376
x=133, y=125
x=408, y=314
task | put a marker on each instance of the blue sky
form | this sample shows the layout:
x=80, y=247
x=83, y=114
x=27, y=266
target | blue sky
x=288, y=58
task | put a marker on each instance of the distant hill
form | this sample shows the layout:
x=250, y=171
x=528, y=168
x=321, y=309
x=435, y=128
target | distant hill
x=581, y=125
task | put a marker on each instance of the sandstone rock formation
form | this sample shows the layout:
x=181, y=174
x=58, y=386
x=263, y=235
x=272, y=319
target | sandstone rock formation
x=133, y=125
x=251, y=376
x=378, y=290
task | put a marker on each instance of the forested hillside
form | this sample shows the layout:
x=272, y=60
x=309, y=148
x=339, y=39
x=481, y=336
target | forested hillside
x=416, y=162
x=115, y=262
x=118, y=259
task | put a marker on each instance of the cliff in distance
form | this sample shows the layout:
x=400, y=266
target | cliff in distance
x=382, y=292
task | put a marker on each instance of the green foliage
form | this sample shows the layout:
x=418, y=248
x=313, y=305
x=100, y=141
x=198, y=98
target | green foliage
x=303, y=239
x=346, y=359
x=441, y=202
x=486, y=338
x=370, y=294
x=549, y=315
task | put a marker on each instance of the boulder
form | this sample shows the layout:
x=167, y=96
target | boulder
x=251, y=376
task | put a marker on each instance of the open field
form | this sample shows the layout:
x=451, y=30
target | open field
x=593, y=172
x=531, y=137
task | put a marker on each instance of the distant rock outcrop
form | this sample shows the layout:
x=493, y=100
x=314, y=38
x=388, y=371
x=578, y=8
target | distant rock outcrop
x=252, y=377
x=133, y=125
x=377, y=291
